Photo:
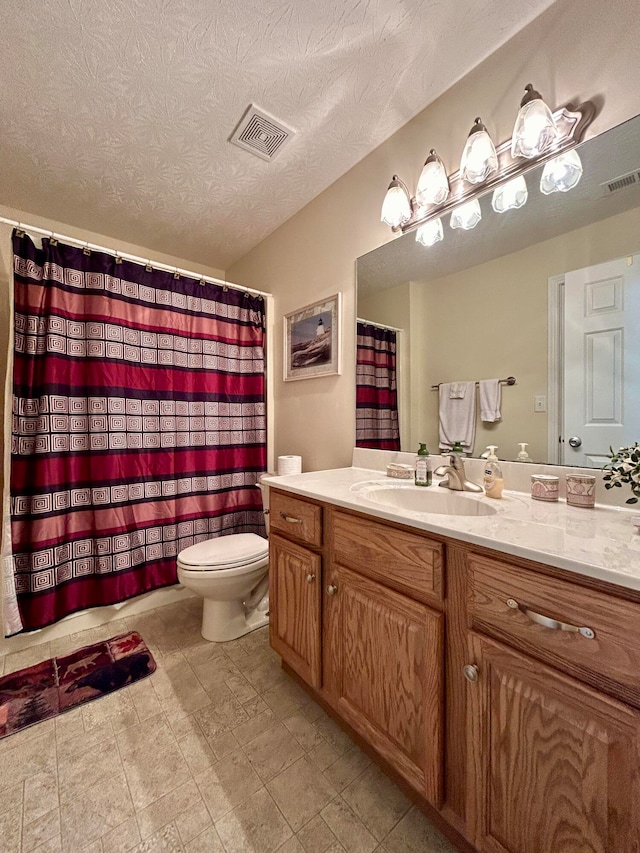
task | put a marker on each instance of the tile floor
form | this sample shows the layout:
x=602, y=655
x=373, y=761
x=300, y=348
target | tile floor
x=218, y=751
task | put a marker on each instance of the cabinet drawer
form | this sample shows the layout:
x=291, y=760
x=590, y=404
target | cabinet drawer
x=527, y=607
x=405, y=561
x=295, y=517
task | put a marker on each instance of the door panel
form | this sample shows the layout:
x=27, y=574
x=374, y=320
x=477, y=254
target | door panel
x=552, y=764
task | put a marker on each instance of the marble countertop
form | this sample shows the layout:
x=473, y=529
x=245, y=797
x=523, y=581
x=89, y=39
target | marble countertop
x=601, y=543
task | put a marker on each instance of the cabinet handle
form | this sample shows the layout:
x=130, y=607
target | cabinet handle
x=310, y=578
x=290, y=518
x=470, y=671
x=332, y=589
x=548, y=622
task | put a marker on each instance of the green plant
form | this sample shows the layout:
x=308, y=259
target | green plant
x=624, y=467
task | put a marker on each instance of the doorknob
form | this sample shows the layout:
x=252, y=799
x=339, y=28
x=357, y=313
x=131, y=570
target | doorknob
x=575, y=441
x=310, y=578
x=332, y=589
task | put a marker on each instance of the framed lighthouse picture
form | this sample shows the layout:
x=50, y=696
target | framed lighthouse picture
x=312, y=340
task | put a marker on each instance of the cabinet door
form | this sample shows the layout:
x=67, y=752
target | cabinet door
x=294, y=607
x=387, y=674
x=553, y=765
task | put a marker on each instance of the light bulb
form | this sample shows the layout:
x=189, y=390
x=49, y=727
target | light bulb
x=396, y=207
x=535, y=129
x=466, y=216
x=430, y=232
x=561, y=174
x=479, y=158
x=510, y=196
x=433, y=184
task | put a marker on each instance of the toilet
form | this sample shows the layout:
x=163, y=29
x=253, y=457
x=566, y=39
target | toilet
x=230, y=573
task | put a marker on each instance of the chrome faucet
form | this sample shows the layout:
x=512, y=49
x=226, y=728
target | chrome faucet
x=454, y=476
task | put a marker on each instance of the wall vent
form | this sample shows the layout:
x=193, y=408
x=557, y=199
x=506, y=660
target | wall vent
x=261, y=133
x=621, y=182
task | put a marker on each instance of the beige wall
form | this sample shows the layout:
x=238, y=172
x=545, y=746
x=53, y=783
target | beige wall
x=576, y=50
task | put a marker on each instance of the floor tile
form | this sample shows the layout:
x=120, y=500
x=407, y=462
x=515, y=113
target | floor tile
x=377, y=801
x=228, y=784
x=348, y=828
x=301, y=792
x=303, y=730
x=347, y=768
x=255, y=826
x=272, y=751
x=86, y=768
x=221, y=717
x=122, y=838
x=156, y=773
x=165, y=809
x=166, y=840
x=193, y=821
x=255, y=726
x=41, y=829
x=89, y=813
x=316, y=837
x=207, y=842
x=10, y=831
x=416, y=834
x=40, y=794
x=26, y=759
x=15, y=661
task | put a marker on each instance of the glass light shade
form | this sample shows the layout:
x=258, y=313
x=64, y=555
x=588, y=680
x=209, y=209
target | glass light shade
x=479, y=158
x=466, y=216
x=430, y=232
x=535, y=129
x=510, y=196
x=396, y=207
x=433, y=184
x=561, y=174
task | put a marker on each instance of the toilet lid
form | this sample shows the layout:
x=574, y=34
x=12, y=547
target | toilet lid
x=223, y=552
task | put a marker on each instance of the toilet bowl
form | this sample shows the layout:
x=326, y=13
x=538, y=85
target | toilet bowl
x=231, y=575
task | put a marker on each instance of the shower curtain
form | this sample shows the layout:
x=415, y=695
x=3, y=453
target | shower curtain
x=138, y=426
x=376, y=389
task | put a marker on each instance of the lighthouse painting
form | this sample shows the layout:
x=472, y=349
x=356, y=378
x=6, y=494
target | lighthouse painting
x=312, y=340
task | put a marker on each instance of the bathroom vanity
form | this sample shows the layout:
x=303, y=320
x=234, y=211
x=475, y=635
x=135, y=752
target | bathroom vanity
x=490, y=662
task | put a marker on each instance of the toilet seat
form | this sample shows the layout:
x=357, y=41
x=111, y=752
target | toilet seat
x=224, y=552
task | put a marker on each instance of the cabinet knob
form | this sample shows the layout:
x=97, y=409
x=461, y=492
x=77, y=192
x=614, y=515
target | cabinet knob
x=332, y=589
x=470, y=671
x=310, y=578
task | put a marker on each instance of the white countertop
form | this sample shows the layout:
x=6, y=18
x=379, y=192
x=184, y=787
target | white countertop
x=601, y=543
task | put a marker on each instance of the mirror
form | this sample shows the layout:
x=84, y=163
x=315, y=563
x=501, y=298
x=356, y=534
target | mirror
x=488, y=303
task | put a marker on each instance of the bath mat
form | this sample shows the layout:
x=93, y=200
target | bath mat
x=59, y=684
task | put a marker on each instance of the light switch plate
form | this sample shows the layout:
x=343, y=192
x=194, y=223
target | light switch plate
x=540, y=403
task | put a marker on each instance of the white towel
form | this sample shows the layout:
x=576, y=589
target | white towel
x=457, y=390
x=490, y=393
x=457, y=416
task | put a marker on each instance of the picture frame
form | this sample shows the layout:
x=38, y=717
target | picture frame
x=312, y=340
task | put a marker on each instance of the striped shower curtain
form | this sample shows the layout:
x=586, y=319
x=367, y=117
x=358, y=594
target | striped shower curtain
x=376, y=388
x=138, y=426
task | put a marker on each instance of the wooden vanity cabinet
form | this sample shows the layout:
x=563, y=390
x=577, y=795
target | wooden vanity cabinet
x=295, y=584
x=525, y=738
x=553, y=764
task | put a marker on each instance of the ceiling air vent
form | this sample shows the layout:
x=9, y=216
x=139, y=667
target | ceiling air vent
x=261, y=133
x=621, y=182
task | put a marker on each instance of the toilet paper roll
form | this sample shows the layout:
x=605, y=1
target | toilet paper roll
x=289, y=465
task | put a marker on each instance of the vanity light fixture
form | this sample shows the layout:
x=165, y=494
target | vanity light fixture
x=430, y=232
x=466, y=216
x=510, y=196
x=535, y=130
x=396, y=207
x=479, y=158
x=433, y=184
x=562, y=173
x=484, y=166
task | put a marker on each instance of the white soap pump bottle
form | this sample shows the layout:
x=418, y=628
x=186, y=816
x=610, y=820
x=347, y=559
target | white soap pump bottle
x=523, y=456
x=492, y=480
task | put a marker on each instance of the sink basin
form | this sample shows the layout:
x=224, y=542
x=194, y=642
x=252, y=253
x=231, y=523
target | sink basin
x=412, y=498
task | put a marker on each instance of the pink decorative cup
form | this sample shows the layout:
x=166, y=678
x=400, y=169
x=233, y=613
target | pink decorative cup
x=544, y=487
x=581, y=490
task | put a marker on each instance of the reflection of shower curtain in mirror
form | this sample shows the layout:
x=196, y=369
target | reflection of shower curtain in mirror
x=138, y=426
x=376, y=389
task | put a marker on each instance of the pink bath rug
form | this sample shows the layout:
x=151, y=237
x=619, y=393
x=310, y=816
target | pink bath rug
x=59, y=684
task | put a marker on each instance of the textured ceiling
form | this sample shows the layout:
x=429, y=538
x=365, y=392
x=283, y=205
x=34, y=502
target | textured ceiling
x=115, y=115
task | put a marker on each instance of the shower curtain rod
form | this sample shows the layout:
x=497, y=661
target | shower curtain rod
x=378, y=325
x=157, y=265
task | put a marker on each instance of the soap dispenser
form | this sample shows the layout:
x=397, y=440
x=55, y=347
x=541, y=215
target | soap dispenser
x=423, y=474
x=492, y=481
x=523, y=456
